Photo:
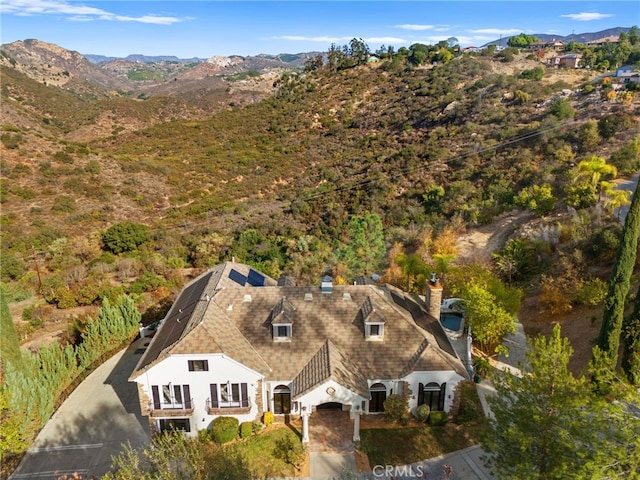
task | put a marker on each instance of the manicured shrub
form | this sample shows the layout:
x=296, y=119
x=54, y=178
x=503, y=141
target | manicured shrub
x=438, y=418
x=397, y=409
x=267, y=418
x=256, y=427
x=204, y=435
x=225, y=429
x=422, y=412
x=246, y=429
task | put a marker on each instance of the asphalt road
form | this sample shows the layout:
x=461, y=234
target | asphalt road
x=91, y=426
x=629, y=184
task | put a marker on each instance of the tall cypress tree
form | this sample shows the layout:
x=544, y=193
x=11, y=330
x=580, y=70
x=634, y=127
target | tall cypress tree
x=9, y=343
x=631, y=337
x=620, y=284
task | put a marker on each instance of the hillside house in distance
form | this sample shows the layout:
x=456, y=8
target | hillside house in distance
x=570, y=60
x=603, y=41
x=238, y=343
x=553, y=44
x=628, y=74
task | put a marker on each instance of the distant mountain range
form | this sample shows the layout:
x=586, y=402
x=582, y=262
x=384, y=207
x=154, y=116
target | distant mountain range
x=137, y=57
x=576, y=37
x=288, y=58
x=53, y=65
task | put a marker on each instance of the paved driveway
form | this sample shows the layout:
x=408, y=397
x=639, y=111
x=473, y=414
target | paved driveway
x=91, y=425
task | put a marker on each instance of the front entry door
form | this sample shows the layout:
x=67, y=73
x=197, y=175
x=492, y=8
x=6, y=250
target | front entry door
x=376, y=404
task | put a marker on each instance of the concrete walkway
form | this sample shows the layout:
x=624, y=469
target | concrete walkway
x=331, y=451
x=461, y=465
x=329, y=466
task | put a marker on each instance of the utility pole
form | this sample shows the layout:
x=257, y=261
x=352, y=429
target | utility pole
x=35, y=261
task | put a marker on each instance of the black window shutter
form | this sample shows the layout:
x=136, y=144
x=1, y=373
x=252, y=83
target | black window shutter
x=190, y=362
x=420, y=394
x=156, y=396
x=187, y=396
x=243, y=395
x=214, y=395
x=205, y=364
x=443, y=391
x=187, y=427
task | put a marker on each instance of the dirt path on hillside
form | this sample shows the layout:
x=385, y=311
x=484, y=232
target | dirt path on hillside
x=478, y=244
x=580, y=325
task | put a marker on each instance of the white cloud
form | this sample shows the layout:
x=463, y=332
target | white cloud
x=496, y=31
x=76, y=13
x=414, y=27
x=384, y=40
x=587, y=16
x=322, y=39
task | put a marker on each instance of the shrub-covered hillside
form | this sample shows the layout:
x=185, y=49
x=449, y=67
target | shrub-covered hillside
x=377, y=151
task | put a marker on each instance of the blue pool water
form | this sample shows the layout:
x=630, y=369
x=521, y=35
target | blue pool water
x=451, y=320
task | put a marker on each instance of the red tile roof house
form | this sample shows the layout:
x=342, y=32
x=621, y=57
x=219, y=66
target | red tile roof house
x=238, y=343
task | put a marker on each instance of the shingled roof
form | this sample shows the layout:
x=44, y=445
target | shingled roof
x=330, y=364
x=189, y=311
x=235, y=319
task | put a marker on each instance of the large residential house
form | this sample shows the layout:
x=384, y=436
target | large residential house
x=551, y=44
x=570, y=60
x=604, y=41
x=239, y=343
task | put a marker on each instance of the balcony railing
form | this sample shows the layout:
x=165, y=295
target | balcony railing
x=171, y=409
x=228, y=408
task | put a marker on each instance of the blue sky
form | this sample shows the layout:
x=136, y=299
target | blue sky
x=206, y=28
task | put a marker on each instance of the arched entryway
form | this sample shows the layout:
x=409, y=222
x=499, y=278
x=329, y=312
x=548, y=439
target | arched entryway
x=282, y=400
x=378, y=394
x=330, y=406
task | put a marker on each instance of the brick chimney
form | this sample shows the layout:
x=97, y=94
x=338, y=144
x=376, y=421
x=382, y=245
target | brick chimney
x=433, y=296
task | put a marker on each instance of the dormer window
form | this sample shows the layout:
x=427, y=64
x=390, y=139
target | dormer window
x=281, y=332
x=373, y=321
x=282, y=321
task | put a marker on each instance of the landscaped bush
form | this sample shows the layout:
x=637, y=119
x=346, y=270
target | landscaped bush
x=290, y=450
x=246, y=429
x=396, y=408
x=267, y=418
x=437, y=419
x=422, y=412
x=204, y=435
x=256, y=427
x=225, y=429
x=470, y=406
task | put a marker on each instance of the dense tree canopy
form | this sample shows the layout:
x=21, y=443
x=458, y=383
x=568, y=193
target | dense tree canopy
x=522, y=40
x=548, y=424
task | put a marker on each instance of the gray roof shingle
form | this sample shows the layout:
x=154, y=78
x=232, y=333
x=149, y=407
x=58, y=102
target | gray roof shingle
x=229, y=323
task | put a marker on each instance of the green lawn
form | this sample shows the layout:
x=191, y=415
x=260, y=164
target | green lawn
x=401, y=446
x=258, y=452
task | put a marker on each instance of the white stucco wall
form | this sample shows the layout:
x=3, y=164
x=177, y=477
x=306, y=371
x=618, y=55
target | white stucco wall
x=415, y=378
x=270, y=386
x=341, y=394
x=222, y=369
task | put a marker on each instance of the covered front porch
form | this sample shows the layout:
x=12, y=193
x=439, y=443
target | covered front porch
x=333, y=404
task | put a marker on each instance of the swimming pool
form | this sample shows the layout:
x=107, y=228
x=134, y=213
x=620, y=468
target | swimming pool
x=453, y=321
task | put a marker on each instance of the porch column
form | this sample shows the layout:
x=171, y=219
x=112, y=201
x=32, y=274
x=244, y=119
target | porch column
x=356, y=426
x=305, y=428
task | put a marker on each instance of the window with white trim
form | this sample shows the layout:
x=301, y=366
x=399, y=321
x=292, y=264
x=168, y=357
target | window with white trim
x=229, y=395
